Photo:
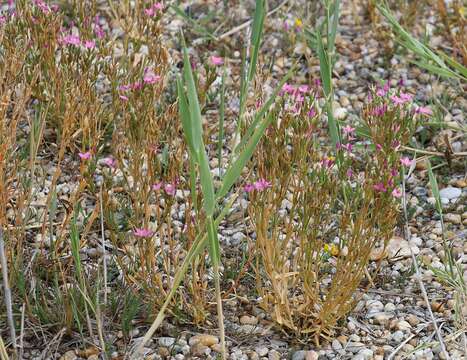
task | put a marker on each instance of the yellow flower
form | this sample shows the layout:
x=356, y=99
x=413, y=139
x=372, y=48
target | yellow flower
x=298, y=22
x=332, y=249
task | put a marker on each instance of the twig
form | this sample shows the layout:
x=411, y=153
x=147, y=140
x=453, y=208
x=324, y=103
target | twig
x=104, y=260
x=247, y=23
x=21, y=334
x=436, y=153
x=7, y=291
x=417, y=270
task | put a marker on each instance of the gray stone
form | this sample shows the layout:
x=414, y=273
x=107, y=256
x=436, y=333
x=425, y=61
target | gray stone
x=450, y=193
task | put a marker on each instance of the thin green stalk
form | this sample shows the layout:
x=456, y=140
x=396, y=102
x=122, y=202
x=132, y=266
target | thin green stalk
x=220, y=143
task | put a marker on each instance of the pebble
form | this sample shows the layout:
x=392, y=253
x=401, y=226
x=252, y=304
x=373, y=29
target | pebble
x=274, y=355
x=166, y=341
x=453, y=218
x=262, y=351
x=204, y=339
x=450, y=193
x=248, y=320
x=69, y=355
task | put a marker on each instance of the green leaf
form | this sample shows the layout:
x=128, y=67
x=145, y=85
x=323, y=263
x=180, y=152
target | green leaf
x=435, y=188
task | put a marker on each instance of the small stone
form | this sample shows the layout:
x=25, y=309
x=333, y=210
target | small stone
x=403, y=325
x=262, y=351
x=199, y=349
x=204, y=339
x=340, y=113
x=336, y=345
x=366, y=353
x=413, y=320
x=374, y=306
x=166, y=341
x=274, y=355
x=217, y=348
x=163, y=351
x=382, y=318
x=248, y=320
x=453, y=218
x=69, y=355
x=450, y=193
x=389, y=307
x=398, y=336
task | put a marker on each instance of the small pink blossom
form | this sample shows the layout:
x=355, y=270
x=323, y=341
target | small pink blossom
x=157, y=186
x=216, y=60
x=158, y=6
x=261, y=184
x=170, y=189
x=348, y=147
x=349, y=173
x=89, y=44
x=397, y=193
x=348, y=130
x=379, y=110
x=143, y=232
x=383, y=91
x=311, y=112
x=394, y=172
x=110, y=162
x=406, y=97
x=423, y=110
x=287, y=88
x=406, y=161
x=379, y=147
x=249, y=188
x=85, y=156
x=149, y=12
x=303, y=89
x=151, y=78
x=123, y=97
x=71, y=40
x=379, y=187
x=2, y=20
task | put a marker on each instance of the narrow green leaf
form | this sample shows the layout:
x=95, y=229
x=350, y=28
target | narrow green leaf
x=214, y=248
x=256, y=33
x=206, y=182
x=185, y=117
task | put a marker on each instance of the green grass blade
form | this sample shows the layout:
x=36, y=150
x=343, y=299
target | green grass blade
x=185, y=117
x=220, y=141
x=333, y=30
x=199, y=244
x=435, y=189
x=256, y=34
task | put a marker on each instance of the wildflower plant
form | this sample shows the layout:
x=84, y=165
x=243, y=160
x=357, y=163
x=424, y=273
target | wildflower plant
x=317, y=221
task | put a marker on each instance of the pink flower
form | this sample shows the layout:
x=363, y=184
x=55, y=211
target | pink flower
x=151, y=78
x=149, y=12
x=158, y=6
x=261, y=184
x=110, y=162
x=249, y=188
x=406, y=97
x=394, y=172
x=287, y=88
x=311, y=112
x=143, y=233
x=383, y=91
x=379, y=110
x=216, y=60
x=397, y=193
x=379, y=187
x=423, y=110
x=348, y=147
x=85, y=156
x=89, y=44
x=406, y=161
x=2, y=20
x=123, y=97
x=170, y=189
x=157, y=186
x=303, y=89
x=348, y=130
x=349, y=173
x=71, y=40
x=379, y=147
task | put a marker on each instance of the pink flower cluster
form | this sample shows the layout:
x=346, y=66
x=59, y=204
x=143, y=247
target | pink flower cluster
x=298, y=93
x=401, y=99
x=85, y=156
x=396, y=192
x=169, y=188
x=259, y=185
x=143, y=232
x=216, y=60
x=46, y=9
x=149, y=78
x=151, y=11
x=75, y=40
